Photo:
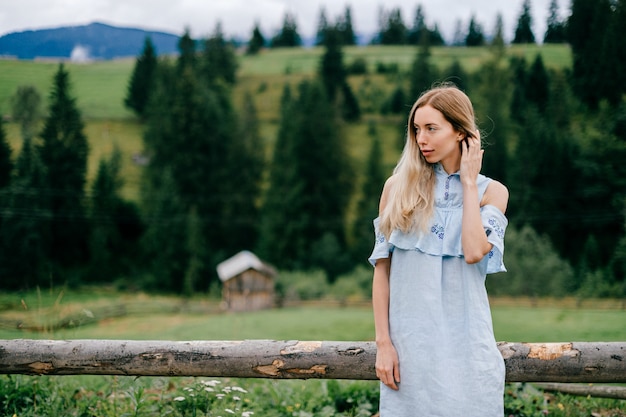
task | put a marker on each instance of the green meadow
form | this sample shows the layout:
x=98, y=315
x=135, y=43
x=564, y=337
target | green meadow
x=159, y=317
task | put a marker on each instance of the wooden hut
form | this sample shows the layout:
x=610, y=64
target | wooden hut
x=247, y=282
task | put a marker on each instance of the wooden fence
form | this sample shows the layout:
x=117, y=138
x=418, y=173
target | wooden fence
x=590, y=362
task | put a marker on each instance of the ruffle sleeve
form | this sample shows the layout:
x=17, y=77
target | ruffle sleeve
x=443, y=238
x=495, y=224
x=382, y=248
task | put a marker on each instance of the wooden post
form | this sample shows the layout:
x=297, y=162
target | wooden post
x=525, y=362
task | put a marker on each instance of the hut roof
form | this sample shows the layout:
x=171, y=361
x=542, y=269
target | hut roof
x=241, y=262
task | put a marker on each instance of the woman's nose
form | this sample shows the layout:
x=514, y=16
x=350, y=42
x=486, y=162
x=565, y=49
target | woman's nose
x=420, y=138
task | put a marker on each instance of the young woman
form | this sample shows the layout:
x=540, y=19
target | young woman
x=440, y=231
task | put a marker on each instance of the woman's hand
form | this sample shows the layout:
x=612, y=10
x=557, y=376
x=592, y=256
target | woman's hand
x=471, y=159
x=387, y=365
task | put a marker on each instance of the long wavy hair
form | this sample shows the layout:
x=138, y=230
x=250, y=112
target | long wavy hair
x=410, y=201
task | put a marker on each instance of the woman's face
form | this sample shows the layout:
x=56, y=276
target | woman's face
x=437, y=139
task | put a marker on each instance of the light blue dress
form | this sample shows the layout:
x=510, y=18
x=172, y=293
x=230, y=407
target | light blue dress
x=439, y=315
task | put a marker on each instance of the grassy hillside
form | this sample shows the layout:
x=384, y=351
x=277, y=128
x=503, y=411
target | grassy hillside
x=100, y=88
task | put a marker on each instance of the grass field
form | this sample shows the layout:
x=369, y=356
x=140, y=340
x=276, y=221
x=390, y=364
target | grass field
x=171, y=318
x=159, y=318
x=100, y=86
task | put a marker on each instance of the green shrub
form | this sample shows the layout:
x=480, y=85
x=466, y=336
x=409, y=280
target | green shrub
x=356, y=285
x=301, y=286
x=357, y=67
x=534, y=268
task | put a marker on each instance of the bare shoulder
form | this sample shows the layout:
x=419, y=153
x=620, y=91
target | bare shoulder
x=386, y=190
x=496, y=195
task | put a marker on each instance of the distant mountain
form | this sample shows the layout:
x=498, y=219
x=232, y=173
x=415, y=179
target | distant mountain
x=93, y=41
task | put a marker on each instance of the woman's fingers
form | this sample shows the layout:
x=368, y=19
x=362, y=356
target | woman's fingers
x=389, y=373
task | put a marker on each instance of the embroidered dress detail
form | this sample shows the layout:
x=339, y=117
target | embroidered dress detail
x=447, y=189
x=438, y=230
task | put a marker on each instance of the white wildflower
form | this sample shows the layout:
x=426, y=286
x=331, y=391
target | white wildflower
x=239, y=389
x=179, y=399
x=228, y=410
x=236, y=398
x=211, y=383
x=247, y=413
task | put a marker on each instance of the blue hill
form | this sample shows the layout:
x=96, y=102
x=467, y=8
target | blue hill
x=92, y=41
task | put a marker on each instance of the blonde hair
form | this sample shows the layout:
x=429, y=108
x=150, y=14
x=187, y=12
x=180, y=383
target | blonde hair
x=411, y=197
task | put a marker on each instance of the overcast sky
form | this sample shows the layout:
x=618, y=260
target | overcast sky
x=239, y=16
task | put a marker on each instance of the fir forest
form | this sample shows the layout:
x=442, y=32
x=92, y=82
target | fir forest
x=302, y=193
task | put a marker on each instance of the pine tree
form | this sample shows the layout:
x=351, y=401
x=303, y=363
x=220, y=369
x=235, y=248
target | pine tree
x=333, y=75
x=165, y=255
x=142, y=79
x=64, y=150
x=345, y=28
x=325, y=170
x=350, y=108
x=187, y=51
x=555, y=31
x=586, y=31
x=619, y=33
x=436, y=39
x=393, y=31
x=496, y=127
x=538, y=86
x=288, y=35
x=6, y=163
x=218, y=60
x=423, y=72
x=612, y=80
x=310, y=183
x=520, y=84
x=246, y=164
x=196, y=247
x=497, y=41
x=475, y=36
x=322, y=27
x=281, y=200
x=457, y=75
x=523, y=31
x=257, y=42
x=26, y=109
x=25, y=224
x=367, y=207
x=105, y=237
x=419, y=24
x=331, y=69
x=196, y=158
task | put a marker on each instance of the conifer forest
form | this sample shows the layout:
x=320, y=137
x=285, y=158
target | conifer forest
x=556, y=137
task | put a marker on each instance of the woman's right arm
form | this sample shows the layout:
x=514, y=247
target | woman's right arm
x=387, y=369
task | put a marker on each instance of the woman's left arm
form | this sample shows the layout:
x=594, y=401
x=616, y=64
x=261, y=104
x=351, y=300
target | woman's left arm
x=473, y=236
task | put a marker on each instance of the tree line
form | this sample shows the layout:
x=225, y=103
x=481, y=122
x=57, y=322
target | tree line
x=393, y=29
x=208, y=189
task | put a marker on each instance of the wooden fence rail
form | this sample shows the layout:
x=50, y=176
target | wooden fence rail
x=525, y=362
